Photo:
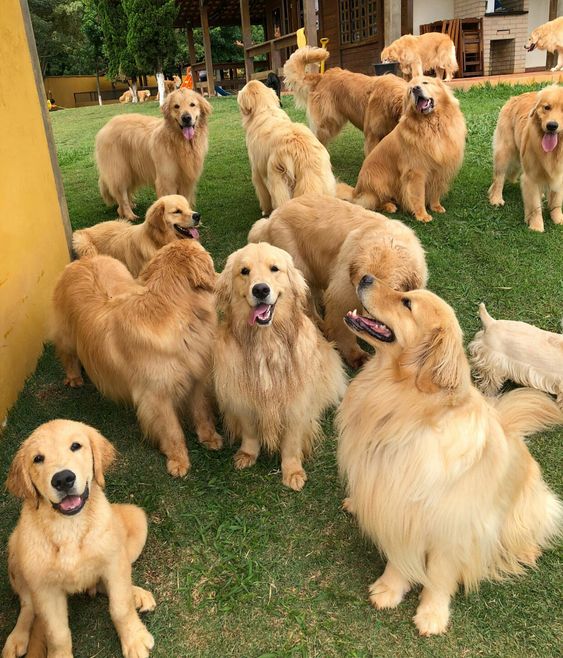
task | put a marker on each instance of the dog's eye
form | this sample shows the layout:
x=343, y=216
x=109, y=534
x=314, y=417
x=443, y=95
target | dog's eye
x=176, y=107
x=547, y=107
x=406, y=302
x=192, y=104
x=75, y=446
x=424, y=82
x=274, y=268
x=38, y=459
x=245, y=271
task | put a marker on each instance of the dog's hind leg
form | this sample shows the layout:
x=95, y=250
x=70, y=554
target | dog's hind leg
x=559, y=65
x=159, y=421
x=202, y=415
x=71, y=364
x=262, y=193
x=504, y=158
x=124, y=208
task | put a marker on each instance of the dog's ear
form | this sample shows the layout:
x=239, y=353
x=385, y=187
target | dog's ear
x=155, y=214
x=103, y=454
x=440, y=361
x=19, y=482
x=247, y=101
x=205, y=106
x=224, y=285
x=201, y=273
x=297, y=281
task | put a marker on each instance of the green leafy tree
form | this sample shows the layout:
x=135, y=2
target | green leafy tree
x=150, y=35
x=95, y=39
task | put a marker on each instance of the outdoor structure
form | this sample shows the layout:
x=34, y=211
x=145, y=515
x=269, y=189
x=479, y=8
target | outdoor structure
x=34, y=227
x=80, y=90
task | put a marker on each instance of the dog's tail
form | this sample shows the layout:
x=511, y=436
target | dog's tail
x=259, y=231
x=296, y=76
x=82, y=245
x=37, y=647
x=486, y=319
x=526, y=411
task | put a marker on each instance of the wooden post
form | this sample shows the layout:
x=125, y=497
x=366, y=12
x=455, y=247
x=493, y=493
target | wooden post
x=207, y=46
x=310, y=22
x=246, y=38
x=191, y=50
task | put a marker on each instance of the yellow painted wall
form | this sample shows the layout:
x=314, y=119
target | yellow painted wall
x=63, y=87
x=33, y=243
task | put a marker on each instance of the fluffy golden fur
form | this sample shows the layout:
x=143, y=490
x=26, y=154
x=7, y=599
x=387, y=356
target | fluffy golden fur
x=134, y=150
x=169, y=218
x=527, y=139
x=372, y=104
x=414, y=164
x=438, y=476
x=274, y=372
x=549, y=36
x=126, y=97
x=147, y=342
x=286, y=159
x=333, y=243
x=69, y=539
x=417, y=55
x=505, y=349
x=143, y=95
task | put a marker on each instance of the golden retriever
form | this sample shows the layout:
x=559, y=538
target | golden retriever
x=274, y=372
x=169, y=218
x=417, y=55
x=126, y=97
x=372, y=104
x=134, y=150
x=505, y=349
x=527, y=138
x=143, y=95
x=286, y=159
x=147, y=342
x=69, y=539
x=333, y=243
x=548, y=36
x=416, y=162
x=438, y=476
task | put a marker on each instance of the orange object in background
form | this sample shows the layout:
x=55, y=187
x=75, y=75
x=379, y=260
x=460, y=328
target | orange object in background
x=188, y=81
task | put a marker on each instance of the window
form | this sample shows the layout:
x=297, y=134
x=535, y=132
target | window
x=358, y=20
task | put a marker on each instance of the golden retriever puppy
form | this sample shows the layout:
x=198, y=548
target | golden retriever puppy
x=527, y=138
x=333, y=243
x=147, y=342
x=274, y=372
x=505, y=349
x=69, y=539
x=548, y=36
x=143, y=95
x=372, y=104
x=286, y=159
x=169, y=218
x=438, y=476
x=416, y=162
x=417, y=55
x=133, y=150
x=126, y=97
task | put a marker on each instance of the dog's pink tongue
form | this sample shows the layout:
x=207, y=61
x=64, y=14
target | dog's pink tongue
x=188, y=132
x=255, y=311
x=549, y=142
x=194, y=233
x=70, y=503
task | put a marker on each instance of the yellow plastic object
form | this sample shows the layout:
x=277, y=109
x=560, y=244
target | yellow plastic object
x=301, y=40
x=324, y=42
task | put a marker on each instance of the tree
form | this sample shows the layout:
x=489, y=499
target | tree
x=150, y=35
x=94, y=36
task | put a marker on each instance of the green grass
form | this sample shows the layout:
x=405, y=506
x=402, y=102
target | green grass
x=239, y=565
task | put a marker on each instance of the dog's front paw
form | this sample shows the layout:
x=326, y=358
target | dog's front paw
x=557, y=217
x=536, y=224
x=74, y=382
x=178, y=467
x=423, y=217
x=437, y=207
x=137, y=645
x=244, y=460
x=16, y=645
x=295, y=479
x=432, y=620
x=144, y=600
x=382, y=595
x=214, y=442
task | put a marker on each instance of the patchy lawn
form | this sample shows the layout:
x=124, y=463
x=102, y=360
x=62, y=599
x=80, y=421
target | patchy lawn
x=239, y=565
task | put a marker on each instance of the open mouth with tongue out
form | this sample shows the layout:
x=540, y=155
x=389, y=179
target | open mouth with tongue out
x=261, y=314
x=188, y=132
x=423, y=103
x=530, y=47
x=549, y=141
x=187, y=231
x=72, y=504
x=369, y=325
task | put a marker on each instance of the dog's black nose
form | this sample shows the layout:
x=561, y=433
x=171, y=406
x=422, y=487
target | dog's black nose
x=417, y=89
x=552, y=126
x=196, y=217
x=366, y=280
x=186, y=119
x=261, y=290
x=63, y=480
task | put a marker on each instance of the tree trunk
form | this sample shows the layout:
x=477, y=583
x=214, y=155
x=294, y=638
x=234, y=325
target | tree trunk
x=161, y=89
x=98, y=85
x=135, y=99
